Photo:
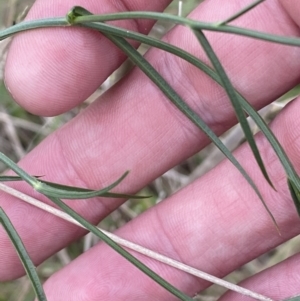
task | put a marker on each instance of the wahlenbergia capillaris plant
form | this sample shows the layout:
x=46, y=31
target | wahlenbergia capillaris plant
x=78, y=16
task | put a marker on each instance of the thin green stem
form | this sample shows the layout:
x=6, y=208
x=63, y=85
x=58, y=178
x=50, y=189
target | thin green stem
x=293, y=41
x=240, y=13
x=28, y=25
x=23, y=255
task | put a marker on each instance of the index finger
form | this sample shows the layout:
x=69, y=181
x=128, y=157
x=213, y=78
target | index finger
x=51, y=73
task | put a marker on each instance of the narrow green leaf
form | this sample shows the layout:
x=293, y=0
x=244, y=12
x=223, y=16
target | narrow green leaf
x=240, y=13
x=23, y=255
x=234, y=100
x=295, y=193
x=170, y=48
x=106, y=28
x=76, y=189
x=287, y=165
x=89, y=193
x=125, y=196
x=65, y=192
x=173, y=290
x=29, y=25
x=10, y=178
x=13, y=178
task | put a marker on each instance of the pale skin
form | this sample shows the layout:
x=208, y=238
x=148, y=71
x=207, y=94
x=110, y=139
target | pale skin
x=217, y=223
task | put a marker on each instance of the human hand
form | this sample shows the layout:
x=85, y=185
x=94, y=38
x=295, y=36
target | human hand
x=217, y=223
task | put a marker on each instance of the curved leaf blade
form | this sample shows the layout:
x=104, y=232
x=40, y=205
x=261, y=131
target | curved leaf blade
x=76, y=189
x=23, y=255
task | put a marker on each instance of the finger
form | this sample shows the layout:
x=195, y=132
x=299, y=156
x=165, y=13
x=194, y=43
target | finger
x=137, y=129
x=51, y=71
x=216, y=224
x=293, y=8
x=279, y=282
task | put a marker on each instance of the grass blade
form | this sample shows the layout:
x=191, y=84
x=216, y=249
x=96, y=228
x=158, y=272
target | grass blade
x=23, y=255
x=29, y=25
x=295, y=193
x=76, y=189
x=10, y=178
x=68, y=192
x=234, y=100
x=235, y=103
x=240, y=13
